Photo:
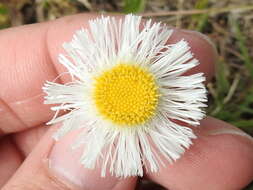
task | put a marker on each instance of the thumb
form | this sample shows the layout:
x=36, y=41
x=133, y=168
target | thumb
x=55, y=166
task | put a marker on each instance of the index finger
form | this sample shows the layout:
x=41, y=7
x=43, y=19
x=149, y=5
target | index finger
x=28, y=57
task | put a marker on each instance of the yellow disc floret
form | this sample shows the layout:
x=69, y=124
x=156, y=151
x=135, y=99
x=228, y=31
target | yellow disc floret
x=126, y=94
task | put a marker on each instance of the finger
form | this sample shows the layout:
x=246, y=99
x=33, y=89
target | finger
x=221, y=158
x=10, y=160
x=28, y=139
x=8, y=118
x=24, y=67
x=57, y=167
x=24, y=70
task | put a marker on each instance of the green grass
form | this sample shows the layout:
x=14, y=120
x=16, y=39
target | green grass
x=232, y=98
x=202, y=19
x=134, y=6
x=231, y=91
x=241, y=39
x=4, y=16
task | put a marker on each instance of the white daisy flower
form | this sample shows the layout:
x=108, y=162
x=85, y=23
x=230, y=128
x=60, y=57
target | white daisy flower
x=128, y=94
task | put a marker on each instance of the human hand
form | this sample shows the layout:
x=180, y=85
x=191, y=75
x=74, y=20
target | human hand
x=220, y=159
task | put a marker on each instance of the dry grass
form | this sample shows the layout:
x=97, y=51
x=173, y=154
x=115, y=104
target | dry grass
x=228, y=23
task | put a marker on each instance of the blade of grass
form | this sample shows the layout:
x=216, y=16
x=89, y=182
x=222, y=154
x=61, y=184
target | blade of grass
x=202, y=23
x=241, y=40
x=245, y=125
x=222, y=88
x=201, y=20
x=4, y=16
x=3, y=10
x=213, y=11
x=134, y=6
x=222, y=81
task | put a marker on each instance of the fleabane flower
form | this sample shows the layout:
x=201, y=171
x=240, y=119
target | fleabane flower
x=128, y=95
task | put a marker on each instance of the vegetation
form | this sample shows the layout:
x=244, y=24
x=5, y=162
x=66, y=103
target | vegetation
x=228, y=23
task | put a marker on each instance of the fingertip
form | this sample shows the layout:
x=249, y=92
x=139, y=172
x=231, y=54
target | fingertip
x=65, y=164
x=221, y=158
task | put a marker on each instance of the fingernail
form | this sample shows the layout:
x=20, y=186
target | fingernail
x=230, y=131
x=204, y=37
x=64, y=163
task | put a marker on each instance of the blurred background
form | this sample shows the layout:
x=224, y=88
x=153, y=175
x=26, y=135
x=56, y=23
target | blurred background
x=227, y=22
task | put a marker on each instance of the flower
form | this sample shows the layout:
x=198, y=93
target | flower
x=128, y=95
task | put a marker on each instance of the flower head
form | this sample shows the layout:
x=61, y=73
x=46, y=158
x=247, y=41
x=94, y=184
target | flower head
x=128, y=93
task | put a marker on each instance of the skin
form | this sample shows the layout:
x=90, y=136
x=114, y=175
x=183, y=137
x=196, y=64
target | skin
x=220, y=159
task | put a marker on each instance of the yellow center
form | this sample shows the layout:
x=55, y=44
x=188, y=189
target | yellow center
x=126, y=95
